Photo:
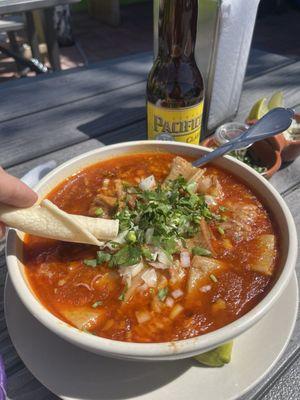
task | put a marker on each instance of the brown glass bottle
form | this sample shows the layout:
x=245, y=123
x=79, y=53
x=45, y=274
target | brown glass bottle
x=175, y=88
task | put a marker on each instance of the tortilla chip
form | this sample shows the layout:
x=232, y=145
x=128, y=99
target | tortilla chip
x=49, y=221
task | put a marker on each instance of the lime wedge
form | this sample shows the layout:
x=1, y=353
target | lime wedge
x=217, y=357
x=259, y=109
x=276, y=100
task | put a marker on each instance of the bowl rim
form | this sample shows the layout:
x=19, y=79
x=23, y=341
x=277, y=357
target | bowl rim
x=161, y=350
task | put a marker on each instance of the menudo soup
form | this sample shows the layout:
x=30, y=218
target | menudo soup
x=196, y=250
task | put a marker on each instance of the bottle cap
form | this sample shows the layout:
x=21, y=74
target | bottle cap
x=164, y=136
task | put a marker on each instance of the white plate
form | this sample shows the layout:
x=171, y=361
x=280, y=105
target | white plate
x=72, y=373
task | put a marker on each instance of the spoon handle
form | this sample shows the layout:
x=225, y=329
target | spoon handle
x=275, y=121
x=220, y=151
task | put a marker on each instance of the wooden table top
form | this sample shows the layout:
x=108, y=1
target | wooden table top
x=16, y=6
x=59, y=116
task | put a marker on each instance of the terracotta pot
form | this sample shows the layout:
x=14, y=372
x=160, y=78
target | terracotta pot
x=289, y=149
x=265, y=153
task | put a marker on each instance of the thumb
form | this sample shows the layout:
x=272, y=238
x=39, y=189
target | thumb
x=14, y=192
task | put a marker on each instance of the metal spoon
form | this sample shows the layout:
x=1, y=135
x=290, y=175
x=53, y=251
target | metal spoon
x=275, y=121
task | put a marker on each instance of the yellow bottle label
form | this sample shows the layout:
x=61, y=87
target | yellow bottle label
x=183, y=124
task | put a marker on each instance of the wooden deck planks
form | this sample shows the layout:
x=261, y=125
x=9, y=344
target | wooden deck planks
x=263, y=62
x=58, y=130
x=36, y=134
x=285, y=79
x=81, y=83
x=16, y=6
x=71, y=86
x=64, y=154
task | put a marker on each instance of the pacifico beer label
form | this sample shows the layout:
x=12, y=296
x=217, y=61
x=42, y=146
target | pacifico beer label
x=183, y=124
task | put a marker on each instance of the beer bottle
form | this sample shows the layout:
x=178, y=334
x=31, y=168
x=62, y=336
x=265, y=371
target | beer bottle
x=175, y=89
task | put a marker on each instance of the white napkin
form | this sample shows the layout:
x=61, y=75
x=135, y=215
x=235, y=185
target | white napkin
x=237, y=20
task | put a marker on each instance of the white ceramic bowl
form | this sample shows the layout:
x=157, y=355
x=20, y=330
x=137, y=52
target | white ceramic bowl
x=169, y=350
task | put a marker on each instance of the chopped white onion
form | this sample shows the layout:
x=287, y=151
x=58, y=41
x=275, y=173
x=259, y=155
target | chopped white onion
x=163, y=258
x=148, y=235
x=158, y=265
x=185, y=259
x=205, y=288
x=105, y=182
x=176, y=310
x=177, y=293
x=121, y=237
x=135, y=283
x=130, y=272
x=210, y=200
x=148, y=183
x=133, y=270
x=150, y=277
x=169, y=302
x=110, y=246
x=142, y=316
x=153, y=252
x=143, y=287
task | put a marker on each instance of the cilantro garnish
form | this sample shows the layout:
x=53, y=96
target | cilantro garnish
x=200, y=251
x=127, y=255
x=161, y=218
x=90, y=263
x=103, y=257
x=122, y=296
x=99, y=212
x=131, y=237
x=162, y=293
x=146, y=253
x=97, y=304
x=173, y=212
x=221, y=230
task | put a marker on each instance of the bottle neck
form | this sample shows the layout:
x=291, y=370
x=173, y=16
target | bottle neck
x=177, y=28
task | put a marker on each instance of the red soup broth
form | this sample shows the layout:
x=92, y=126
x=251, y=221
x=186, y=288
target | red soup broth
x=63, y=283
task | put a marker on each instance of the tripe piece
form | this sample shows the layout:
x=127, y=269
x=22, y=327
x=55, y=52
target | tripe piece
x=264, y=262
x=181, y=167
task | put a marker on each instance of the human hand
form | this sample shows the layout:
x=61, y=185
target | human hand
x=13, y=192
